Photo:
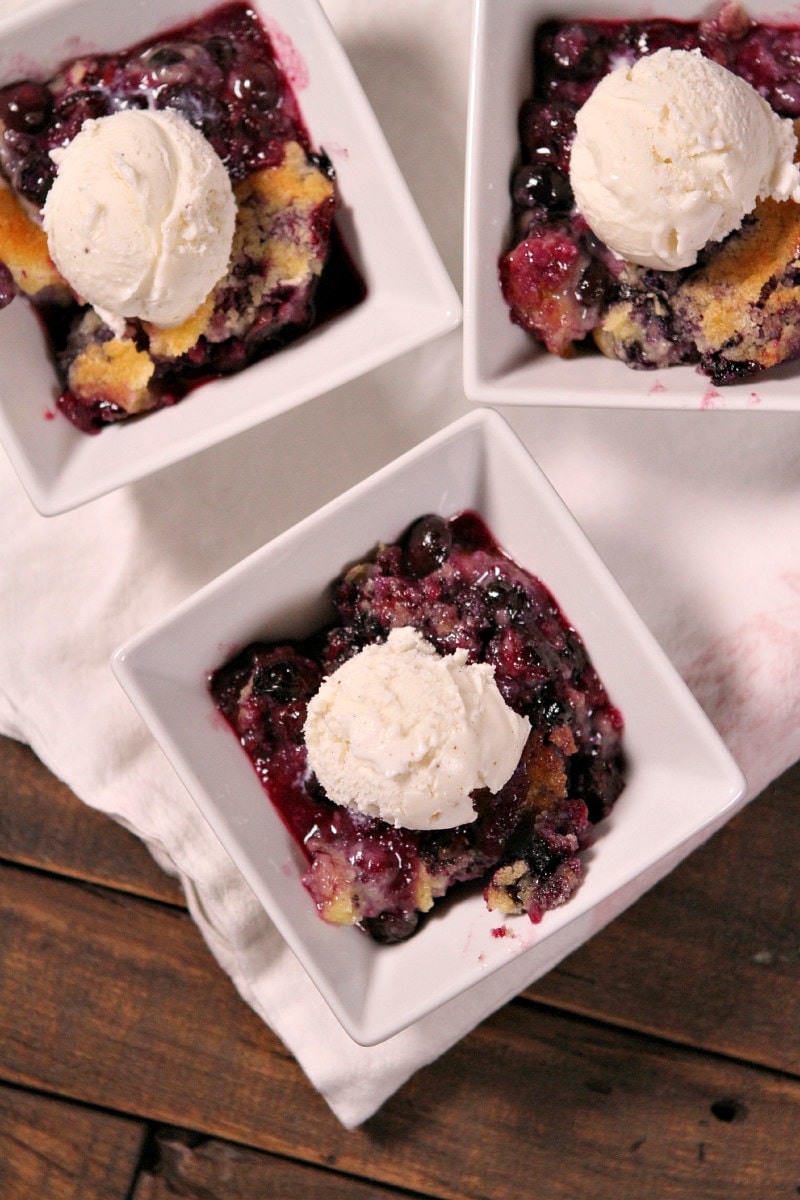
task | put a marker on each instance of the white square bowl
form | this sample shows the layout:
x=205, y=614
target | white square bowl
x=681, y=784
x=502, y=363
x=410, y=298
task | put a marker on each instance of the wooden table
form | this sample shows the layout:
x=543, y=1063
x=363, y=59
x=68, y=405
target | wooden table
x=661, y=1060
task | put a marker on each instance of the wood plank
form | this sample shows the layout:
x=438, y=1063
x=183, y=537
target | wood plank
x=732, y=908
x=587, y=1111
x=43, y=824
x=98, y=989
x=710, y=957
x=188, y=1165
x=115, y=1001
x=50, y=1150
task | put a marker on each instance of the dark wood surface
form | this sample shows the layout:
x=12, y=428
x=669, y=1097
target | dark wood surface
x=662, y=1060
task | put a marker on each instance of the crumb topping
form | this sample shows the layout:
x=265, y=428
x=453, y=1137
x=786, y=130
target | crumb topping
x=725, y=293
x=115, y=370
x=23, y=249
x=171, y=343
x=274, y=237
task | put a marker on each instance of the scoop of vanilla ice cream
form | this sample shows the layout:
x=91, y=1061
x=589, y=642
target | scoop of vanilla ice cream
x=403, y=733
x=140, y=217
x=672, y=152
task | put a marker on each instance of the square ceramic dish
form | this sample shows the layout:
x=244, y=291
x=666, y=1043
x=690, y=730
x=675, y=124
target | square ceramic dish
x=682, y=783
x=502, y=364
x=410, y=297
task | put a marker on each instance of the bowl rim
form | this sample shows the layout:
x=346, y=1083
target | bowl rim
x=501, y=364
x=369, y=1003
x=410, y=299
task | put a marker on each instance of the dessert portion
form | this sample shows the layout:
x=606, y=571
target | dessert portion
x=445, y=727
x=164, y=210
x=655, y=204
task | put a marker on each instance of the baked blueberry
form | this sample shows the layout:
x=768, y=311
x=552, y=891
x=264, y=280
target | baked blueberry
x=450, y=580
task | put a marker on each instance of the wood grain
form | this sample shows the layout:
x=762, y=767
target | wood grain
x=44, y=825
x=710, y=957
x=660, y=1060
x=191, y=1166
x=99, y=989
x=114, y=1001
x=55, y=1151
x=733, y=902
x=576, y=1109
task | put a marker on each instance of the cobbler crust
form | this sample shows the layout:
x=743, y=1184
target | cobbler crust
x=736, y=314
x=746, y=300
x=113, y=369
x=23, y=249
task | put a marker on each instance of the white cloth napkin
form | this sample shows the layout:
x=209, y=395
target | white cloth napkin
x=696, y=514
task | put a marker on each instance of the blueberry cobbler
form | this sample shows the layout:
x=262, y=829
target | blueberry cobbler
x=286, y=269
x=447, y=584
x=735, y=310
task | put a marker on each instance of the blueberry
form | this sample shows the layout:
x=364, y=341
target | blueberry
x=8, y=288
x=551, y=706
x=283, y=678
x=184, y=64
x=785, y=98
x=36, y=178
x=25, y=107
x=256, y=83
x=221, y=51
x=76, y=107
x=195, y=105
x=545, y=132
x=539, y=186
x=277, y=680
x=505, y=595
x=389, y=927
x=578, y=51
x=427, y=544
x=592, y=284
